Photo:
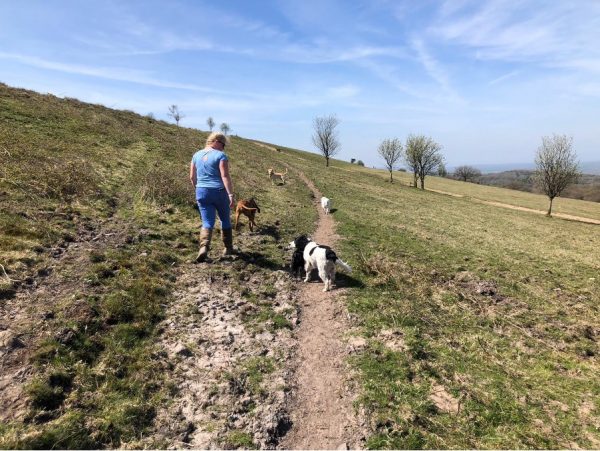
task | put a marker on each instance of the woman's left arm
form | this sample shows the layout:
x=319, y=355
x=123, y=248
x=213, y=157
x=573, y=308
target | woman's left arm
x=193, y=174
x=224, y=168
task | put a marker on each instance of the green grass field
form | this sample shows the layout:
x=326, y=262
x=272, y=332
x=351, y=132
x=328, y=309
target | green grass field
x=481, y=322
x=499, y=307
x=507, y=196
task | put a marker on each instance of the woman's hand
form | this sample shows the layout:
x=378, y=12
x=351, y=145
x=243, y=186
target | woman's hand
x=231, y=200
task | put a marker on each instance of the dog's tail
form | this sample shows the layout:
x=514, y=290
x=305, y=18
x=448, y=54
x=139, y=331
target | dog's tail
x=343, y=264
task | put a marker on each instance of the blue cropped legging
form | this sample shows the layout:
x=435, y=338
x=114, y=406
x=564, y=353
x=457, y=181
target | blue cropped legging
x=212, y=201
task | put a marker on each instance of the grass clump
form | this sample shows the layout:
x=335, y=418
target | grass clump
x=238, y=439
x=249, y=375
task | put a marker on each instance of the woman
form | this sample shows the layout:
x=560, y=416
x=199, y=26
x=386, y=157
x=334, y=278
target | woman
x=209, y=173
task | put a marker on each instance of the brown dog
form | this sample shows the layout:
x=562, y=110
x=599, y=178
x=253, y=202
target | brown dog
x=248, y=207
x=277, y=176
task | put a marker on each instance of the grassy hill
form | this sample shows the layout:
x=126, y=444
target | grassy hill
x=479, y=325
x=586, y=188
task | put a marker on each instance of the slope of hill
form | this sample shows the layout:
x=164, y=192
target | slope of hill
x=97, y=228
x=470, y=326
x=586, y=167
x=586, y=188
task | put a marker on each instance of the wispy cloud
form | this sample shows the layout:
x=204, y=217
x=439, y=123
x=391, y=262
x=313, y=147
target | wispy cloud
x=322, y=53
x=109, y=73
x=544, y=33
x=435, y=69
x=503, y=77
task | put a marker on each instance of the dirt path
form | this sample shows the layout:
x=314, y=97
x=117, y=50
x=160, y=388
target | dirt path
x=266, y=146
x=321, y=410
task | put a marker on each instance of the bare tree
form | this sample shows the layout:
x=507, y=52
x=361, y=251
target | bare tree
x=557, y=166
x=467, y=173
x=210, y=122
x=224, y=128
x=175, y=114
x=391, y=151
x=325, y=137
x=422, y=156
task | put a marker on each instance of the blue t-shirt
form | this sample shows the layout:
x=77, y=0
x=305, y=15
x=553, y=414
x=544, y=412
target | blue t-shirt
x=208, y=174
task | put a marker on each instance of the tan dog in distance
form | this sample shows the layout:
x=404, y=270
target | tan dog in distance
x=249, y=208
x=277, y=175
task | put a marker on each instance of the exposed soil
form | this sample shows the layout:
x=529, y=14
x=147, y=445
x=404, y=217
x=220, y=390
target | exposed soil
x=229, y=375
x=321, y=410
x=266, y=146
x=304, y=400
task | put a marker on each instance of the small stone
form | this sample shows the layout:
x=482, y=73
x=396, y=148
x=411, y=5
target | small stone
x=357, y=344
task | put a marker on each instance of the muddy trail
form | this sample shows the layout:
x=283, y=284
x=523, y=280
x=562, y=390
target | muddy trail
x=321, y=411
x=257, y=358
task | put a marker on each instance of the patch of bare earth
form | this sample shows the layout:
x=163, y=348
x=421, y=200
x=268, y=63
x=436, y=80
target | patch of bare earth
x=321, y=410
x=229, y=374
x=266, y=146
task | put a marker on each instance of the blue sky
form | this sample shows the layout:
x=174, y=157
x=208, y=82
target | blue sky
x=484, y=78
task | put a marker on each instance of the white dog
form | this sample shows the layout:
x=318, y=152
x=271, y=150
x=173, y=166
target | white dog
x=326, y=204
x=320, y=257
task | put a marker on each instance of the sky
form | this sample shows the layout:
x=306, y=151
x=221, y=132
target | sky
x=486, y=79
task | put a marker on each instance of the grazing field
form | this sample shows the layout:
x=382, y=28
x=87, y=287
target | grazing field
x=481, y=323
x=516, y=198
x=473, y=326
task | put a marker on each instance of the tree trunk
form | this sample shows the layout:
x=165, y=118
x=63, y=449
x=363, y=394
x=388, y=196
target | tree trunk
x=415, y=180
x=422, y=183
x=550, y=208
x=326, y=161
x=391, y=181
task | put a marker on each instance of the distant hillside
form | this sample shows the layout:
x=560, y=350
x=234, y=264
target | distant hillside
x=588, y=187
x=586, y=167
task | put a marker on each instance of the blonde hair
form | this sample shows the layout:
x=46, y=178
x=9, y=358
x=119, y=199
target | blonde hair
x=217, y=136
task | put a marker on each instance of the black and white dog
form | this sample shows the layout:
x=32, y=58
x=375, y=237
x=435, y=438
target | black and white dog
x=317, y=256
x=297, y=263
